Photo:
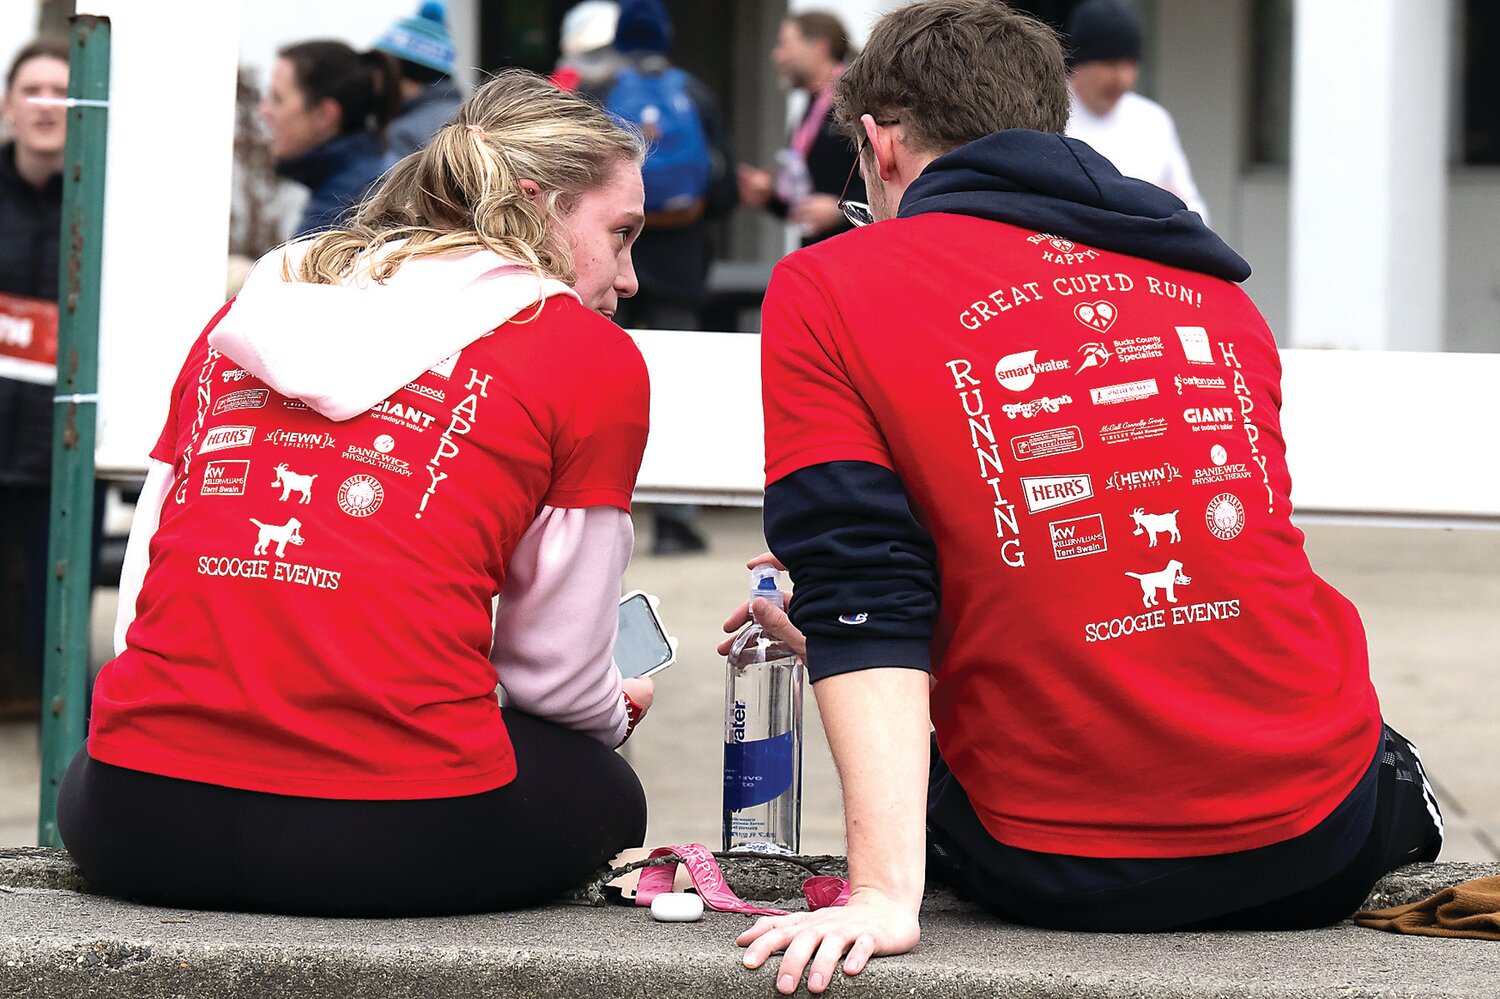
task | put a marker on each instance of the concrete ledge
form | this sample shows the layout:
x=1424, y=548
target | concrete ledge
x=56, y=941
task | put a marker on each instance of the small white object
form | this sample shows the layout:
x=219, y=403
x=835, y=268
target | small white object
x=677, y=907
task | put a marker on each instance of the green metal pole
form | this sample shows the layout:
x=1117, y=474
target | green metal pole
x=71, y=534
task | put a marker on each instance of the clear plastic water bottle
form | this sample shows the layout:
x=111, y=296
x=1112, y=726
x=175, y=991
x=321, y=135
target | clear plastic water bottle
x=762, y=736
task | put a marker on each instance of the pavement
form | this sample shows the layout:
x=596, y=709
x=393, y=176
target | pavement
x=1430, y=599
x=55, y=941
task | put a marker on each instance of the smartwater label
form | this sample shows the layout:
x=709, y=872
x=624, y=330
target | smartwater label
x=756, y=772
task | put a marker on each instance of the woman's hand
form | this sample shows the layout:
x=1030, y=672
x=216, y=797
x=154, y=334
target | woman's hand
x=773, y=619
x=871, y=924
x=642, y=691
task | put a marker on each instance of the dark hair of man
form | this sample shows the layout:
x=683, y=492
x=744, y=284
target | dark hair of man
x=952, y=71
x=363, y=84
x=50, y=48
x=817, y=25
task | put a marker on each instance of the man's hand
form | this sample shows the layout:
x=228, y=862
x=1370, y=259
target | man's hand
x=773, y=619
x=816, y=213
x=870, y=925
x=755, y=185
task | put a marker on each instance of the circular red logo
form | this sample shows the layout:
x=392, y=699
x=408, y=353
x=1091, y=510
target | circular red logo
x=361, y=495
x=1225, y=516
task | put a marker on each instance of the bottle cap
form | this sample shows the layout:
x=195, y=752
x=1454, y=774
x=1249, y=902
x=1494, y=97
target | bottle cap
x=763, y=584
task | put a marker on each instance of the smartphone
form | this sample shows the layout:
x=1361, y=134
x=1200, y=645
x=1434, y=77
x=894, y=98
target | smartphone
x=642, y=646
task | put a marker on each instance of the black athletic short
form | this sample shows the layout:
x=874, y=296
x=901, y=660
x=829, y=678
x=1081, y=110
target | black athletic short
x=1390, y=818
x=573, y=805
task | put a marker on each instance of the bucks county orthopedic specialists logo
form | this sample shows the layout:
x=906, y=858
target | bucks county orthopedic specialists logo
x=1046, y=492
x=361, y=495
x=220, y=438
x=1018, y=372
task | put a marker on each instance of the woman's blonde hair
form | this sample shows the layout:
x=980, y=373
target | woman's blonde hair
x=462, y=191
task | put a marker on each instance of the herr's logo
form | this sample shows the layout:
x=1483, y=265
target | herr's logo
x=220, y=438
x=1018, y=371
x=1047, y=492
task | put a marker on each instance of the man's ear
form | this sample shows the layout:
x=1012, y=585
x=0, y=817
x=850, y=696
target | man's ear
x=882, y=145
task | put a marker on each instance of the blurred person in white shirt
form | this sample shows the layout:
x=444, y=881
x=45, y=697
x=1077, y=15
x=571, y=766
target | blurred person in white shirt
x=1134, y=133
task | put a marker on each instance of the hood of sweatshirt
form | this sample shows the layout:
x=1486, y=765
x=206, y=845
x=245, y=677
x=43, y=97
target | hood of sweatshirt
x=343, y=348
x=1061, y=186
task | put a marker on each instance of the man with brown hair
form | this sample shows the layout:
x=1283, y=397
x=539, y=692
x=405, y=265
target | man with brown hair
x=974, y=410
x=810, y=51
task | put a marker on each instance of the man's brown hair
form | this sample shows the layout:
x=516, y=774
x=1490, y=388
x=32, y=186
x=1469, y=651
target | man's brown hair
x=51, y=48
x=952, y=71
x=817, y=25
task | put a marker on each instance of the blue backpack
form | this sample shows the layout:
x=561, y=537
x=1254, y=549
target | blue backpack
x=678, y=165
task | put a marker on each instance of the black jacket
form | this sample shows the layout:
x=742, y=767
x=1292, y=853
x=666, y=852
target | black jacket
x=829, y=164
x=30, y=231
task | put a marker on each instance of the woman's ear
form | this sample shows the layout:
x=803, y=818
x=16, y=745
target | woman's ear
x=533, y=191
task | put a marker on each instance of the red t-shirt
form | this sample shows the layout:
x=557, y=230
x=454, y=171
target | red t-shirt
x=1133, y=656
x=316, y=617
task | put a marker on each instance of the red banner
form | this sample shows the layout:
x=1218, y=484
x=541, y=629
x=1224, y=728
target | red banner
x=28, y=339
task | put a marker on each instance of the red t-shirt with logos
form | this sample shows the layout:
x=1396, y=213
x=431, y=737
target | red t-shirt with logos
x=1133, y=657
x=316, y=616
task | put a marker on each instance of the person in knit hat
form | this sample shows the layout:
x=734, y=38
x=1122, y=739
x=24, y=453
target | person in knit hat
x=425, y=53
x=673, y=253
x=1134, y=133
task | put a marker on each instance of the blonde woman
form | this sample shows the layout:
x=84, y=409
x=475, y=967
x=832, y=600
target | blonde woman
x=394, y=423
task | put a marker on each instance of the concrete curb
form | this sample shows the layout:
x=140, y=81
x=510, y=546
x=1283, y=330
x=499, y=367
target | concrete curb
x=55, y=941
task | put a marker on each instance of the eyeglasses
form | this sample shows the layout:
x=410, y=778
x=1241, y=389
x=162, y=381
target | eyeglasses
x=858, y=212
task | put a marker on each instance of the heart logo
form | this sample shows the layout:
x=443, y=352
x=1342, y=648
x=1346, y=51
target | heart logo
x=1061, y=245
x=1098, y=316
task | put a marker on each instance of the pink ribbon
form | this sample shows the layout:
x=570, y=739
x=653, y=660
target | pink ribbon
x=821, y=891
x=707, y=878
x=824, y=891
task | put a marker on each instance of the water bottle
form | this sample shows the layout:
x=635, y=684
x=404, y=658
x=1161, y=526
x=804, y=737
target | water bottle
x=762, y=736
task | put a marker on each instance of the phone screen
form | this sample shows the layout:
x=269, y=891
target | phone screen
x=641, y=647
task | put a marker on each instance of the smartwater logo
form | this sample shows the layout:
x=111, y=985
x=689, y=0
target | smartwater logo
x=738, y=726
x=1018, y=372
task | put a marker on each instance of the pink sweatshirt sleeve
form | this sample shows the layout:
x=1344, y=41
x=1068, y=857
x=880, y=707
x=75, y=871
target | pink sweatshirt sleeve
x=557, y=616
x=154, y=493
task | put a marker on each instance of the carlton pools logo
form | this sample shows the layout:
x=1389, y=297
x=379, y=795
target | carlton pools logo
x=1018, y=372
x=1047, y=492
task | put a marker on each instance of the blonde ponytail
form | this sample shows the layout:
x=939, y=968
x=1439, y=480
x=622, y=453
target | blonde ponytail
x=462, y=192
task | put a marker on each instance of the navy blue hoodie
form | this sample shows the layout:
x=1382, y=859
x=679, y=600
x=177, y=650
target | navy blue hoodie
x=875, y=554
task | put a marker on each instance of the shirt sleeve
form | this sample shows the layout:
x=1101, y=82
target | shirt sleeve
x=813, y=412
x=557, y=617
x=598, y=453
x=166, y=444
x=154, y=493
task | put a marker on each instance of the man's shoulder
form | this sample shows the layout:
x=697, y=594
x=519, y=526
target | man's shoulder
x=1137, y=109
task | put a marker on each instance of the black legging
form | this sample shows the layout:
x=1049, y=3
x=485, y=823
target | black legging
x=573, y=805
